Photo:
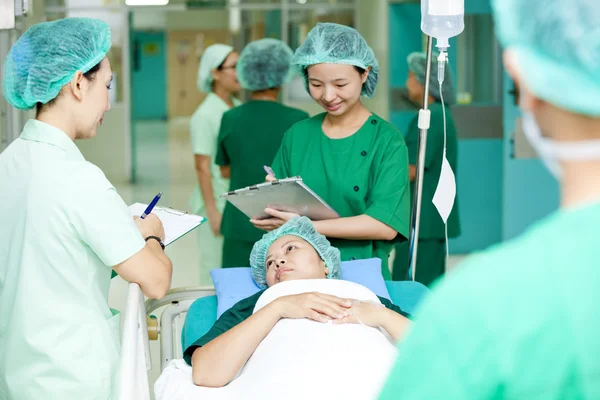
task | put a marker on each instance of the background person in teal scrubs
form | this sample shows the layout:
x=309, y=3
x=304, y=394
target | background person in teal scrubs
x=431, y=260
x=521, y=320
x=251, y=135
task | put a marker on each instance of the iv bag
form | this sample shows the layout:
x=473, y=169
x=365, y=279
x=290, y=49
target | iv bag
x=442, y=19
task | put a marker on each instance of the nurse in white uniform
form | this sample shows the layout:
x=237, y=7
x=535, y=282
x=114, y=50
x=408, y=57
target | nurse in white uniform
x=218, y=79
x=64, y=227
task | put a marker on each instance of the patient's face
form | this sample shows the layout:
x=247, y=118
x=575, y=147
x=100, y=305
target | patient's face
x=290, y=258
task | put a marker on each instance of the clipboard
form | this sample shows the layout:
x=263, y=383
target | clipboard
x=176, y=223
x=289, y=195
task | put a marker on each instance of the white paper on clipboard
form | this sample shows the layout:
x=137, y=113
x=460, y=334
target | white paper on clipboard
x=289, y=195
x=176, y=223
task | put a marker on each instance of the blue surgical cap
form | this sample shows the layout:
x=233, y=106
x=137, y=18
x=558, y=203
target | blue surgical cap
x=337, y=44
x=212, y=58
x=47, y=56
x=417, y=64
x=557, y=49
x=264, y=64
x=303, y=228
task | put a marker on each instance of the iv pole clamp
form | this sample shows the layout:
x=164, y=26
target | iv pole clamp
x=424, y=120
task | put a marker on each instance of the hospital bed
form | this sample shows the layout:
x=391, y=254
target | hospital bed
x=139, y=327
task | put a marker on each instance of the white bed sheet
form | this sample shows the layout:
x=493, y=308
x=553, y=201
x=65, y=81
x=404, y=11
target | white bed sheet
x=300, y=359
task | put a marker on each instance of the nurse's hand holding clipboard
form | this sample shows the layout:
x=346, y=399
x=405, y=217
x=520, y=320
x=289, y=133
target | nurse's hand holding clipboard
x=279, y=217
x=269, y=224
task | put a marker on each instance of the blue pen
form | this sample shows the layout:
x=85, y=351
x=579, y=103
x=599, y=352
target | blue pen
x=269, y=171
x=151, y=205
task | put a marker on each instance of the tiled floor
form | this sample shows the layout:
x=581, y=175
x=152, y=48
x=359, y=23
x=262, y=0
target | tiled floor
x=164, y=163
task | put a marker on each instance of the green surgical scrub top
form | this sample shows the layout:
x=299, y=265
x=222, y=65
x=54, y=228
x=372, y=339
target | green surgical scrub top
x=204, y=133
x=250, y=137
x=431, y=224
x=63, y=229
x=241, y=311
x=365, y=173
x=520, y=321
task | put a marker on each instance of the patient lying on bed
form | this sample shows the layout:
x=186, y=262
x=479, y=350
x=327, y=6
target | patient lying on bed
x=291, y=253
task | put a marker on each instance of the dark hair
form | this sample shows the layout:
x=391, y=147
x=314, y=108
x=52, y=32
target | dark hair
x=358, y=69
x=89, y=75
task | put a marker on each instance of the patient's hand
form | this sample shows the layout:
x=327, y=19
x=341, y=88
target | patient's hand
x=316, y=306
x=376, y=315
x=366, y=313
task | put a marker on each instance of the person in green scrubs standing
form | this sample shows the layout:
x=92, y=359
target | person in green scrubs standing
x=64, y=227
x=217, y=78
x=353, y=159
x=251, y=135
x=431, y=260
x=521, y=320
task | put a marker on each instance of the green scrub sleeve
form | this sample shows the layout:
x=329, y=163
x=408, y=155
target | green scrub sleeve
x=281, y=163
x=389, y=200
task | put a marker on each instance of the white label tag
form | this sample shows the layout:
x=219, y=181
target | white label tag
x=444, y=196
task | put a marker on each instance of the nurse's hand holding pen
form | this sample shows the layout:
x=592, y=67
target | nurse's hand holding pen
x=150, y=226
x=270, y=174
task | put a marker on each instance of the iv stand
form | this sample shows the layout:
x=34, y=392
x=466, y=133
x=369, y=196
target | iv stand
x=424, y=116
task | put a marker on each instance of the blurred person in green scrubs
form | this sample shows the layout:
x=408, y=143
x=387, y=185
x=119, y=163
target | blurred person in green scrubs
x=250, y=136
x=63, y=225
x=431, y=260
x=217, y=78
x=353, y=159
x=521, y=320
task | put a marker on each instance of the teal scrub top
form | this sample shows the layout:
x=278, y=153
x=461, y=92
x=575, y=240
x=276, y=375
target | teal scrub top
x=365, y=173
x=431, y=224
x=250, y=137
x=63, y=229
x=520, y=321
x=241, y=311
x=204, y=133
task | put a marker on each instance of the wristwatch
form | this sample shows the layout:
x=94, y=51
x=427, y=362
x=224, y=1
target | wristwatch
x=162, y=245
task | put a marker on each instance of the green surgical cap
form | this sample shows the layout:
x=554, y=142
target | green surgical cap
x=47, y=56
x=337, y=44
x=557, y=49
x=212, y=58
x=417, y=64
x=303, y=228
x=264, y=64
